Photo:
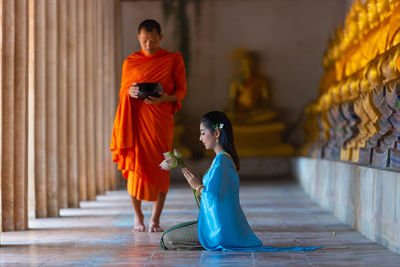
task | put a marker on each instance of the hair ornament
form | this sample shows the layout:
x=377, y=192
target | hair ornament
x=218, y=126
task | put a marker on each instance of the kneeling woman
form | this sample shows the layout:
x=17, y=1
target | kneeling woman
x=221, y=224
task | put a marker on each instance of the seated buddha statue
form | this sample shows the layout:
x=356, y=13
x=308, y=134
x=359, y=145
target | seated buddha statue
x=256, y=129
x=249, y=91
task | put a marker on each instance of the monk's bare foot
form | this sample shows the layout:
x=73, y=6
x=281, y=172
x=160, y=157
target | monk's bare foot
x=137, y=229
x=154, y=227
x=139, y=224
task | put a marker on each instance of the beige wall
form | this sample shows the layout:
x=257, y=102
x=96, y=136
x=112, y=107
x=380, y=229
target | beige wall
x=289, y=35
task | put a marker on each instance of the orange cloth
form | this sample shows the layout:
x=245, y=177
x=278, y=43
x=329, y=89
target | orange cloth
x=143, y=132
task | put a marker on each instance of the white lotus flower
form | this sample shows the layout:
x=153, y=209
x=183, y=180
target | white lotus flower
x=165, y=166
x=177, y=154
x=172, y=160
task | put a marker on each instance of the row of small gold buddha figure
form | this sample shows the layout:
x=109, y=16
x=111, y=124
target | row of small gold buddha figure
x=358, y=119
x=360, y=21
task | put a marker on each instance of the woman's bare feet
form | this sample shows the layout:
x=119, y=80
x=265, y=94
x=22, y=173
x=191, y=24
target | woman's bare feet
x=139, y=224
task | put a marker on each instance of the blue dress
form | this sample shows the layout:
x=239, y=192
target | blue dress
x=222, y=224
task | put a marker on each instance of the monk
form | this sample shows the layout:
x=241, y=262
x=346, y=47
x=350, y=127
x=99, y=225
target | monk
x=143, y=130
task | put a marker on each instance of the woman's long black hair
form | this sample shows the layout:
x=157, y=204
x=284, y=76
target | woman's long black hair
x=211, y=121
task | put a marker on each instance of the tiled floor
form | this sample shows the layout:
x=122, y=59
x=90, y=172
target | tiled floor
x=99, y=234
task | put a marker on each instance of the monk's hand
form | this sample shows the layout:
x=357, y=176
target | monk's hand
x=134, y=91
x=193, y=181
x=157, y=100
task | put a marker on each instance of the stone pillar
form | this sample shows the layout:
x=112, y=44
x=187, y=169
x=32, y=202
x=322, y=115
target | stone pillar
x=82, y=107
x=31, y=113
x=90, y=124
x=1, y=111
x=118, y=60
x=51, y=108
x=62, y=103
x=72, y=103
x=58, y=99
x=113, y=88
x=98, y=95
x=20, y=116
x=40, y=109
x=7, y=115
x=107, y=13
x=13, y=140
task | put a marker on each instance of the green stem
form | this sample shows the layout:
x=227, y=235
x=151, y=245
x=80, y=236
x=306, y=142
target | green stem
x=196, y=198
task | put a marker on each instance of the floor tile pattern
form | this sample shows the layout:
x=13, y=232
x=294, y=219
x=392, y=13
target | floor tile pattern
x=99, y=234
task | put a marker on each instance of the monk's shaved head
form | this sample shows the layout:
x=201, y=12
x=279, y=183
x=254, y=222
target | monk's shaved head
x=149, y=25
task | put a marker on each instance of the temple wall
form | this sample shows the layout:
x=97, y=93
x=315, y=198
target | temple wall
x=368, y=199
x=290, y=37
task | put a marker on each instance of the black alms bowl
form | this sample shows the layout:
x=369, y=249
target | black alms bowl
x=148, y=89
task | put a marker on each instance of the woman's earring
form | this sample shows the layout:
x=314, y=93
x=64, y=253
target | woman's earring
x=217, y=140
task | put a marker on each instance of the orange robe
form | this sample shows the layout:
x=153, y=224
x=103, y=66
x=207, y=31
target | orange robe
x=143, y=132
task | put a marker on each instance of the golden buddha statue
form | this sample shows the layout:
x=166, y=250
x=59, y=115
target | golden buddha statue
x=369, y=82
x=372, y=14
x=383, y=68
x=394, y=64
x=394, y=24
x=337, y=43
x=256, y=129
x=351, y=30
x=350, y=44
x=345, y=93
x=364, y=110
x=344, y=88
x=325, y=102
x=383, y=9
x=376, y=44
x=373, y=76
x=335, y=93
x=351, y=89
x=354, y=88
x=362, y=21
x=389, y=69
x=249, y=91
x=393, y=4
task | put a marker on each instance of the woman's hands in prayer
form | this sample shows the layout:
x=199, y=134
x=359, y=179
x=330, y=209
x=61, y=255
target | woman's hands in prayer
x=193, y=181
